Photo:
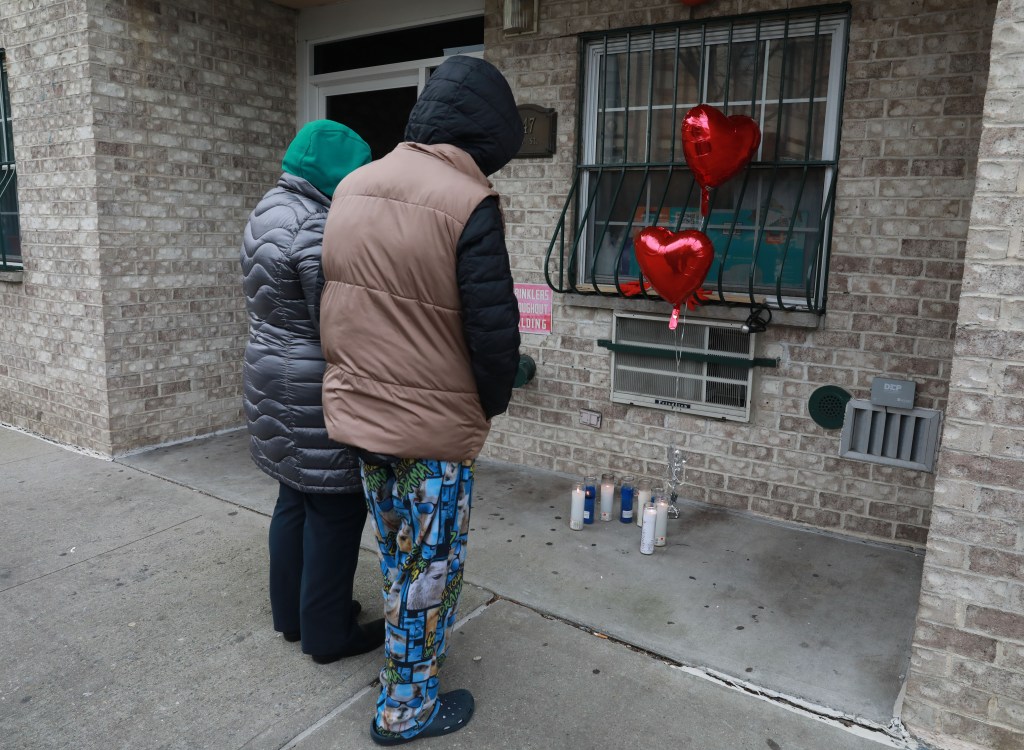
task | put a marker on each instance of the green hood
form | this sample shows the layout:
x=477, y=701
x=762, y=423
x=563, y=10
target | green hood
x=323, y=153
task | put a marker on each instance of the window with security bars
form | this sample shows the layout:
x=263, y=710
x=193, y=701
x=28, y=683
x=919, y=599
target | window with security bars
x=770, y=224
x=10, y=234
x=703, y=367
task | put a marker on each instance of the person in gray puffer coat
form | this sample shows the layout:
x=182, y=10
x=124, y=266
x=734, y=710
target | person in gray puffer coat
x=320, y=511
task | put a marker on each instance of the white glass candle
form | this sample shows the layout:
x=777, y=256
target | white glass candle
x=576, y=509
x=661, y=521
x=649, y=516
x=607, y=496
x=643, y=496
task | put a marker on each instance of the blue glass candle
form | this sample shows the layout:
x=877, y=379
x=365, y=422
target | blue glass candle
x=626, y=508
x=590, y=492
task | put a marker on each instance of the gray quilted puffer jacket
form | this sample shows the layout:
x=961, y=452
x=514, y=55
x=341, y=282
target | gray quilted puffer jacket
x=284, y=366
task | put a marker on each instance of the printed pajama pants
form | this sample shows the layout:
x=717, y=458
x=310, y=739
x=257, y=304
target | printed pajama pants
x=420, y=511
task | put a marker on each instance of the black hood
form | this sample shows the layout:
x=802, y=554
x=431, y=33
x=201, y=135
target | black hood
x=468, y=103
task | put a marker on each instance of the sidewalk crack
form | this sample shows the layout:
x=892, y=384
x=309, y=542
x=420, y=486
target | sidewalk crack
x=100, y=554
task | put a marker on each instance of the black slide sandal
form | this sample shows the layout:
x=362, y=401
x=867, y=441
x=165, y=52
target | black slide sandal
x=456, y=709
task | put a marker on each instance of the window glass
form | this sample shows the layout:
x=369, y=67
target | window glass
x=417, y=43
x=10, y=234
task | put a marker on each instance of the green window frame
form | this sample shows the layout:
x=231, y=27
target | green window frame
x=771, y=225
x=10, y=231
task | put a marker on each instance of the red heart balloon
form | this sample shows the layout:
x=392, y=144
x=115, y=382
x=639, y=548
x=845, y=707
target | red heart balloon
x=717, y=147
x=675, y=262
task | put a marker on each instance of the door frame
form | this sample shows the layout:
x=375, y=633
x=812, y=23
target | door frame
x=356, y=18
x=377, y=78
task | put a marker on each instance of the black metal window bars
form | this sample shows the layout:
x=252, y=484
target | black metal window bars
x=10, y=235
x=770, y=225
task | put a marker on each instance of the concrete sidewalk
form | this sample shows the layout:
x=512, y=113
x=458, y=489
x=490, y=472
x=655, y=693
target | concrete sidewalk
x=134, y=613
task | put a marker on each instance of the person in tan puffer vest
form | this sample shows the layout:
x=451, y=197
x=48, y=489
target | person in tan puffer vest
x=419, y=324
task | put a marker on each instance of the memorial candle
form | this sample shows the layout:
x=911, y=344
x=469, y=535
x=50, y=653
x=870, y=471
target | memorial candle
x=576, y=509
x=607, y=496
x=626, y=500
x=661, y=519
x=643, y=488
x=589, y=493
x=647, y=530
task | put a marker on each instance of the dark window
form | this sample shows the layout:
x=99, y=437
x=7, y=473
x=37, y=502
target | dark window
x=771, y=224
x=416, y=43
x=379, y=116
x=10, y=234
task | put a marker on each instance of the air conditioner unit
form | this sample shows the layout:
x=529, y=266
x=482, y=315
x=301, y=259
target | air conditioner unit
x=670, y=374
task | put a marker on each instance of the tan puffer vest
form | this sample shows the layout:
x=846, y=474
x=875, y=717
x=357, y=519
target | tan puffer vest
x=398, y=377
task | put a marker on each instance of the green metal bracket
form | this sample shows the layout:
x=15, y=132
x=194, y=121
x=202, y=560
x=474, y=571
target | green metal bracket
x=716, y=359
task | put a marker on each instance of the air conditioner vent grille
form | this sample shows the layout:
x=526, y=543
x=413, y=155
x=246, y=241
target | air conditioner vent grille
x=907, y=438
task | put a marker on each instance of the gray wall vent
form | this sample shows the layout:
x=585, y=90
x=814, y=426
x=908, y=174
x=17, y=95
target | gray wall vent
x=908, y=438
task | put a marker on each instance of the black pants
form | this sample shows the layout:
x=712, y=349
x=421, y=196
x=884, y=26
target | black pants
x=314, y=549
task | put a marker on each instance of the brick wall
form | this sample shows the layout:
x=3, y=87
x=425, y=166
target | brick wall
x=912, y=116
x=966, y=686
x=134, y=285
x=194, y=106
x=135, y=185
x=52, y=354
